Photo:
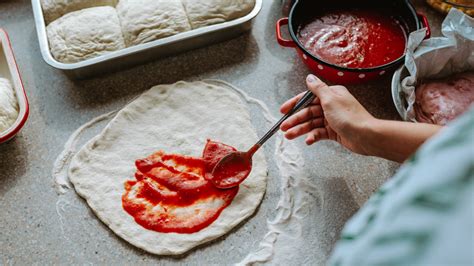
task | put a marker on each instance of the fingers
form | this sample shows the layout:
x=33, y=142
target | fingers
x=316, y=135
x=321, y=133
x=319, y=88
x=304, y=128
x=288, y=105
x=311, y=112
x=331, y=134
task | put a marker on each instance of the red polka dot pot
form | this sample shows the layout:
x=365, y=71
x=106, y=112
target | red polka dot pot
x=303, y=10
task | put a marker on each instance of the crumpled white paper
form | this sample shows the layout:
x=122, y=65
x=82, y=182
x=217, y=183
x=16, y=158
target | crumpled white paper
x=437, y=57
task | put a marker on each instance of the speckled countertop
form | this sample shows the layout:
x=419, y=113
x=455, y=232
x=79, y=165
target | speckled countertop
x=37, y=229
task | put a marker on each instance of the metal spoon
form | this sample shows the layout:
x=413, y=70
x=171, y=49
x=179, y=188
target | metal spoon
x=233, y=168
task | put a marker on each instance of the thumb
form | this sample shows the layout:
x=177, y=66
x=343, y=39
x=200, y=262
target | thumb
x=319, y=88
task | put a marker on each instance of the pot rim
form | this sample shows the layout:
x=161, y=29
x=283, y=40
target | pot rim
x=349, y=69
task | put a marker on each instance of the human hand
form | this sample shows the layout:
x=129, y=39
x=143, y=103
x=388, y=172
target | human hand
x=334, y=115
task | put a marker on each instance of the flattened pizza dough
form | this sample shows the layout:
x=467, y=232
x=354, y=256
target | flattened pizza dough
x=54, y=9
x=204, y=13
x=148, y=20
x=175, y=118
x=85, y=34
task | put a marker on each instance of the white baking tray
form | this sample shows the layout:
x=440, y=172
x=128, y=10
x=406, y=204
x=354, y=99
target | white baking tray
x=9, y=70
x=143, y=52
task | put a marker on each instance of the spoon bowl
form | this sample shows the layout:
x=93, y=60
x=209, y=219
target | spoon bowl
x=233, y=168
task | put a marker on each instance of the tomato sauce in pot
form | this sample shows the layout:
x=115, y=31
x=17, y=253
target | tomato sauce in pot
x=354, y=38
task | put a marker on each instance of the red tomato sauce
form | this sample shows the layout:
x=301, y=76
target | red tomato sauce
x=231, y=175
x=212, y=154
x=171, y=193
x=232, y=170
x=355, y=38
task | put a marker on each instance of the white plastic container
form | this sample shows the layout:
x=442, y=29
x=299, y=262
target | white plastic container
x=9, y=70
x=143, y=52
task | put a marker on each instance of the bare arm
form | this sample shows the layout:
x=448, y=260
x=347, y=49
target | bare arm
x=396, y=140
x=337, y=115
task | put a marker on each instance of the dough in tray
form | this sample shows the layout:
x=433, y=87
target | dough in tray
x=8, y=105
x=85, y=34
x=148, y=20
x=54, y=9
x=204, y=13
x=178, y=119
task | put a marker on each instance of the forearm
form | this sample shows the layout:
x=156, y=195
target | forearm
x=395, y=140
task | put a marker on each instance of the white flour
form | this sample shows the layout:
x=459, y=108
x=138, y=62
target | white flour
x=283, y=240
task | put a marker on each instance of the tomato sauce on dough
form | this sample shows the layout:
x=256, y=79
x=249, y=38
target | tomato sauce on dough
x=173, y=193
x=231, y=175
x=355, y=38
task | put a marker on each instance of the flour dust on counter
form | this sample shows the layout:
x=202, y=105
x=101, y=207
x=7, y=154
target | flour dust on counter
x=8, y=105
x=298, y=196
x=177, y=119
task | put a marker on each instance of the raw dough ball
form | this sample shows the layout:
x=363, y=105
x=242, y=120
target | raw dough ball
x=148, y=20
x=85, y=34
x=209, y=12
x=8, y=105
x=54, y=9
x=440, y=101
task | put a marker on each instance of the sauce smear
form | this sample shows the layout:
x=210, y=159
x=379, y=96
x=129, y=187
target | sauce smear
x=173, y=193
x=355, y=38
x=232, y=170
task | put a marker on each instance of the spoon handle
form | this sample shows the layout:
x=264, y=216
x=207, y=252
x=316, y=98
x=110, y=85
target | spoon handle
x=307, y=98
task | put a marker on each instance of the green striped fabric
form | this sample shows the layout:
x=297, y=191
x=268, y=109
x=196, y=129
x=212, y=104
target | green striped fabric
x=425, y=214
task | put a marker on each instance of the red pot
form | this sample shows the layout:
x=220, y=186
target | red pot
x=303, y=10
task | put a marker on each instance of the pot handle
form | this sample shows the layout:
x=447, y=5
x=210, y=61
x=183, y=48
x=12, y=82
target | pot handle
x=283, y=42
x=425, y=23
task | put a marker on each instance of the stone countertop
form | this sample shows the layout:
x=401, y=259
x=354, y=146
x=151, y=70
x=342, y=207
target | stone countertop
x=37, y=228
